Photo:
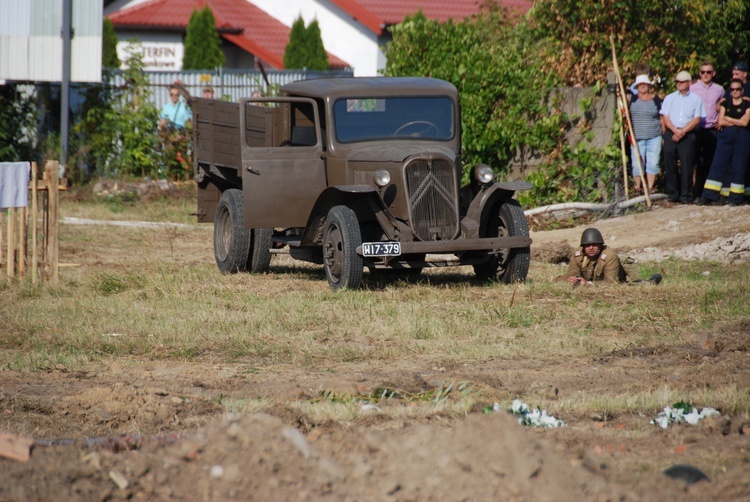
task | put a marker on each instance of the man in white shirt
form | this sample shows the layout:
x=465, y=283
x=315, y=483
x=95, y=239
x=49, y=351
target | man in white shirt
x=681, y=112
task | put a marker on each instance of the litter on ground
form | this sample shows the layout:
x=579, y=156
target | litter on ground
x=533, y=418
x=679, y=413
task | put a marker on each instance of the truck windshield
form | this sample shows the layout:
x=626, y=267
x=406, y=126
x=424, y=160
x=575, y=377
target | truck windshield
x=368, y=119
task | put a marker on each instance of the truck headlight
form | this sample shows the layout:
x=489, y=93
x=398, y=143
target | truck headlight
x=382, y=178
x=484, y=174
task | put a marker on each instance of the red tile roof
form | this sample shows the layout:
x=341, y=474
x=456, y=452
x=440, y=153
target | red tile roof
x=377, y=14
x=239, y=22
x=250, y=28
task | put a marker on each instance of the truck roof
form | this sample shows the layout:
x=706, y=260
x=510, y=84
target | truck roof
x=370, y=86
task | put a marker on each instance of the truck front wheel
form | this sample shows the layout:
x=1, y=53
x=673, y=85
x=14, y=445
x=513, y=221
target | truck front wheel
x=341, y=237
x=509, y=265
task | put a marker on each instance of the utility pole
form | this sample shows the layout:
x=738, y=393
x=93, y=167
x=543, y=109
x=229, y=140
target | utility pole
x=65, y=87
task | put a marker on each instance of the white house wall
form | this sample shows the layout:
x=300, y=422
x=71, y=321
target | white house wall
x=341, y=34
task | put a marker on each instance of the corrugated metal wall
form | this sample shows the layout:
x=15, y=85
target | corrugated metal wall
x=31, y=45
x=229, y=84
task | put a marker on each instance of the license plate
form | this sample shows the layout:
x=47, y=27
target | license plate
x=381, y=249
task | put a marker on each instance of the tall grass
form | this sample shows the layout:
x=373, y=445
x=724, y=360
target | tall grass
x=156, y=294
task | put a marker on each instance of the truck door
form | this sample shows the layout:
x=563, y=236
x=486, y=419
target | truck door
x=283, y=166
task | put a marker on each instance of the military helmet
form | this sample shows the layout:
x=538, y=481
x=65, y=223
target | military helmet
x=591, y=236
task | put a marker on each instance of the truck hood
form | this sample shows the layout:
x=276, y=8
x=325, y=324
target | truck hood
x=399, y=153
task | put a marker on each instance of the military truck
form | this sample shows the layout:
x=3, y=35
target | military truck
x=353, y=173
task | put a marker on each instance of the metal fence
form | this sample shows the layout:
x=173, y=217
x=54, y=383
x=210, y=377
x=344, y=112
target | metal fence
x=228, y=84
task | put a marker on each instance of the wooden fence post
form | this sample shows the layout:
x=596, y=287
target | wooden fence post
x=51, y=175
x=34, y=223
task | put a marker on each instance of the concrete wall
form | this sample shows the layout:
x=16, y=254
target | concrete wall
x=598, y=119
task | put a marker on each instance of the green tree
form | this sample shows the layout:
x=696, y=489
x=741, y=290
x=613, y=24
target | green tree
x=317, y=57
x=573, y=35
x=503, y=87
x=120, y=132
x=17, y=124
x=295, y=53
x=305, y=48
x=202, y=42
x=109, y=46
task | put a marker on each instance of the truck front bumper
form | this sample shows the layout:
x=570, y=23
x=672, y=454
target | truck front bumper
x=462, y=245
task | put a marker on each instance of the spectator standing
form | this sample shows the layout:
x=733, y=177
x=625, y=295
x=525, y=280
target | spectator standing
x=739, y=70
x=175, y=114
x=681, y=112
x=732, y=151
x=648, y=130
x=708, y=133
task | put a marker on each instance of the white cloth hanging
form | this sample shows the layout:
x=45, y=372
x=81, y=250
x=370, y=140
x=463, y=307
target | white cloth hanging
x=14, y=184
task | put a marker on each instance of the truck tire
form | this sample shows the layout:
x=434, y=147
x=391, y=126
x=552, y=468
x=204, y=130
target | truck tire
x=341, y=237
x=510, y=265
x=231, y=239
x=259, y=258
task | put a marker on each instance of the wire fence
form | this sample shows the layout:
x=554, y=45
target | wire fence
x=228, y=84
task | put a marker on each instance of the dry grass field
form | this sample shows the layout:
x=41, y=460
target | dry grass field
x=236, y=387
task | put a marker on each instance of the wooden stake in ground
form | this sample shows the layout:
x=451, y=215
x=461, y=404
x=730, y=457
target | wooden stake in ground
x=634, y=145
x=624, y=160
x=11, y=243
x=34, y=215
x=51, y=174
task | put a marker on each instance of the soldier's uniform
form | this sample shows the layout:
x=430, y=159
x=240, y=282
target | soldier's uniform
x=606, y=267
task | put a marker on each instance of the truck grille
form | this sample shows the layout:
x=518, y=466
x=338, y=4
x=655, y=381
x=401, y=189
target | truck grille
x=433, y=198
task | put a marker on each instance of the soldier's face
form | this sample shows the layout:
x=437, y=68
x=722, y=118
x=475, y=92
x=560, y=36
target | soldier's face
x=592, y=250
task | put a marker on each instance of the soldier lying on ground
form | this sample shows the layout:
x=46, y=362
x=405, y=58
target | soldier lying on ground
x=594, y=261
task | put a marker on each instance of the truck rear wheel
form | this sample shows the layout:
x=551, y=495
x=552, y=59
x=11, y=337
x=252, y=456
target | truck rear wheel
x=259, y=259
x=509, y=265
x=341, y=237
x=231, y=239
x=236, y=248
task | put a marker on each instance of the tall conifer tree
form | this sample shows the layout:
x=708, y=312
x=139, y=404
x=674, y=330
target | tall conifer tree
x=109, y=46
x=202, y=42
x=295, y=53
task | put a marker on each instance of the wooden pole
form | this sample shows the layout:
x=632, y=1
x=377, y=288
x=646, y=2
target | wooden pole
x=11, y=243
x=634, y=145
x=34, y=222
x=1, y=238
x=624, y=160
x=21, y=243
x=52, y=170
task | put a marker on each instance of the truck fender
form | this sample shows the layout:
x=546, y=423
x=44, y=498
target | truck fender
x=362, y=199
x=489, y=195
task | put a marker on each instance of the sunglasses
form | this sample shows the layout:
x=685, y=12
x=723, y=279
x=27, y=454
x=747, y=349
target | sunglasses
x=706, y=72
x=735, y=89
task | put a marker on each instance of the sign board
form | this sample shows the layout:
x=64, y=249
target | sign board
x=160, y=52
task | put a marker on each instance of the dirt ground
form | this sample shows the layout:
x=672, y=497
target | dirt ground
x=156, y=430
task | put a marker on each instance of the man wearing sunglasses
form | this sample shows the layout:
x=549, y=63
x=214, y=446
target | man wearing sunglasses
x=175, y=114
x=681, y=112
x=708, y=133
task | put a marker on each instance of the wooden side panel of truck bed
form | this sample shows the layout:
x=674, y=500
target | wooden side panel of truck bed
x=217, y=131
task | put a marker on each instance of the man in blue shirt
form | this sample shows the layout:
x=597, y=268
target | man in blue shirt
x=681, y=113
x=175, y=114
